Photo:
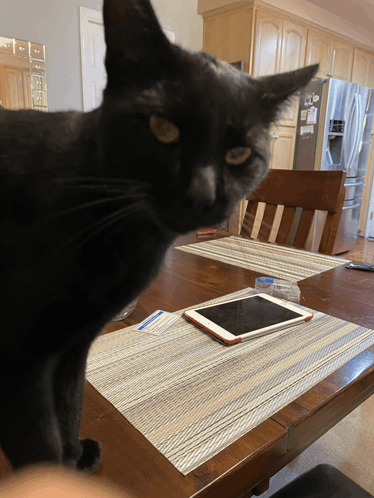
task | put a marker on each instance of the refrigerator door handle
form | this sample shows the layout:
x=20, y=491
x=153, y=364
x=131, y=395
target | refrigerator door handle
x=353, y=184
x=356, y=124
x=347, y=133
x=351, y=207
x=359, y=126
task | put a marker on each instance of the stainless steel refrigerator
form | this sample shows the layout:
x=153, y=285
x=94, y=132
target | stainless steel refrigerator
x=333, y=133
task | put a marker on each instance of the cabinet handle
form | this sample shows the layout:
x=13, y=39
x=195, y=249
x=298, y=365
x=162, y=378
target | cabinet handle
x=330, y=74
x=7, y=45
x=38, y=67
x=22, y=48
x=37, y=51
x=275, y=136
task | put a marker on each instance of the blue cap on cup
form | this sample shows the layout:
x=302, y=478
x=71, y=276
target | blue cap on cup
x=265, y=280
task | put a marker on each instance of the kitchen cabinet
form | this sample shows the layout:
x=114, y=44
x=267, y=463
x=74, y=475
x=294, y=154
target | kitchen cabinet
x=22, y=75
x=279, y=47
x=268, y=44
x=271, y=40
x=282, y=147
x=342, y=60
x=319, y=50
x=228, y=36
x=279, y=44
x=15, y=84
x=363, y=68
x=293, y=46
x=294, y=38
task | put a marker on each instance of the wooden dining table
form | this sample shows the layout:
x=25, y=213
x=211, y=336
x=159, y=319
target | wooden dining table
x=243, y=468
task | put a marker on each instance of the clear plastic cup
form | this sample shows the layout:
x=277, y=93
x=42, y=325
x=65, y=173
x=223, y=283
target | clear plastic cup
x=264, y=284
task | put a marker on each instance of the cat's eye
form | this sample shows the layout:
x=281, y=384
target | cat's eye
x=238, y=155
x=164, y=130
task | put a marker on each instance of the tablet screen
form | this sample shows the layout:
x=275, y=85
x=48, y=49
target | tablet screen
x=246, y=315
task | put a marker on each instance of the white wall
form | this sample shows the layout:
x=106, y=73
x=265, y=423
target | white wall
x=55, y=23
x=182, y=15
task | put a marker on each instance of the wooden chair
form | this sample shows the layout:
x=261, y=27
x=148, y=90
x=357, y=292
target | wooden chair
x=310, y=190
x=323, y=481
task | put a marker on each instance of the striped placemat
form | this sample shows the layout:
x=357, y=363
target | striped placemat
x=287, y=263
x=191, y=396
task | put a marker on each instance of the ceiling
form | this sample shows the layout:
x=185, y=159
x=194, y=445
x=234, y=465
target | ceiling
x=358, y=12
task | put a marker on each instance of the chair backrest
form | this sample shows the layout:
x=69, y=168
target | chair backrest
x=310, y=190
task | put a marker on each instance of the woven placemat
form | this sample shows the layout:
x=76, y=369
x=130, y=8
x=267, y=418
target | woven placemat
x=191, y=396
x=287, y=263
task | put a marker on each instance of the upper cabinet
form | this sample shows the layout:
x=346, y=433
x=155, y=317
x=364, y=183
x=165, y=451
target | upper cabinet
x=334, y=57
x=293, y=46
x=279, y=44
x=363, y=68
x=270, y=41
x=293, y=57
x=268, y=44
x=279, y=47
x=342, y=60
x=319, y=50
x=228, y=36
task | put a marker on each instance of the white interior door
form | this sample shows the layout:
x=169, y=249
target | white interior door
x=93, y=50
x=92, y=55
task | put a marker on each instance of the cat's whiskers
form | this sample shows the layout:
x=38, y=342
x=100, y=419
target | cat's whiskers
x=123, y=197
x=100, y=181
x=102, y=224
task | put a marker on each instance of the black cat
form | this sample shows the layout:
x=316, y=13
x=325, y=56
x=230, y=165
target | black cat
x=91, y=202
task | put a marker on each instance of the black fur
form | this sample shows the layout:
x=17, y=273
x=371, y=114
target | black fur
x=90, y=203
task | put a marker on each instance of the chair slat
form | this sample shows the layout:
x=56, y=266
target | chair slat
x=330, y=230
x=286, y=224
x=303, y=230
x=249, y=219
x=267, y=222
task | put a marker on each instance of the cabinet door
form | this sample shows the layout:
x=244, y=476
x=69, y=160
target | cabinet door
x=363, y=68
x=293, y=57
x=13, y=88
x=283, y=148
x=268, y=44
x=342, y=60
x=293, y=46
x=26, y=87
x=319, y=50
x=370, y=72
x=228, y=37
x=360, y=66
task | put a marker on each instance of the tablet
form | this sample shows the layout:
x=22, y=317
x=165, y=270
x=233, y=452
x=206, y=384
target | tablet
x=245, y=318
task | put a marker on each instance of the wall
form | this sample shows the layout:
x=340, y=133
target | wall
x=56, y=24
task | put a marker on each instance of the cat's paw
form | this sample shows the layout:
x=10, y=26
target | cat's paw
x=90, y=457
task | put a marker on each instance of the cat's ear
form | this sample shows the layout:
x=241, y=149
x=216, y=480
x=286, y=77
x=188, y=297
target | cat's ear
x=136, y=44
x=275, y=90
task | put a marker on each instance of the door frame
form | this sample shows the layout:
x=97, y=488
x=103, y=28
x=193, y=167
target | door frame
x=85, y=17
x=370, y=215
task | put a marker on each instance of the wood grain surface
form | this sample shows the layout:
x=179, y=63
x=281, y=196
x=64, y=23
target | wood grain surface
x=132, y=463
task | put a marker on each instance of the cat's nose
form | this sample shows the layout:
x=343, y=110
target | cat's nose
x=202, y=189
